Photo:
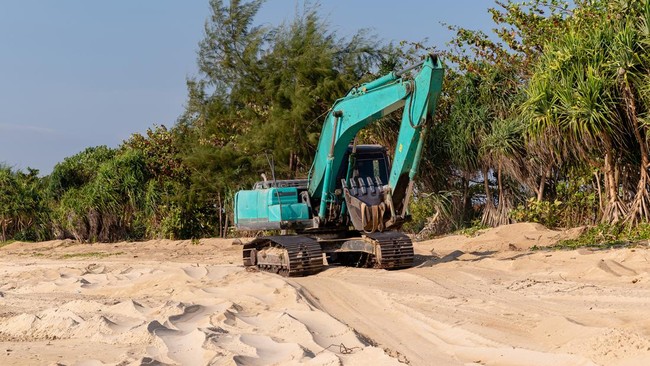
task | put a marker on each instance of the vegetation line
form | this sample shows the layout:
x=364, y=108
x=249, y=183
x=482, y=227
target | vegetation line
x=546, y=120
x=90, y=255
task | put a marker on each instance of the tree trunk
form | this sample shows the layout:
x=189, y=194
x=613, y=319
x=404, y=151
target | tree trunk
x=615, y=210
x=542, y=184
x=4, y=230
x=225, y=232
x=489, y=211
x=220, y=208
x=291, y=167
x=503, y=209
x=466, y=200
x=639, y=207
x=600, y=195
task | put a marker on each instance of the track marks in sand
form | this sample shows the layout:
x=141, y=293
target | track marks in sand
x=556, y=308
x=268, y=351
x=615, y=268
x=269, y=322
x=422, y=340
x=432, y=318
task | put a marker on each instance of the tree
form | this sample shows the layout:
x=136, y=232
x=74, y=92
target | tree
x=23, y=215
x=587, y=87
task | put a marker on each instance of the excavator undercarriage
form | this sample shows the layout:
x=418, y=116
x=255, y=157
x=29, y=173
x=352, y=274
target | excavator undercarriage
x=300, y=255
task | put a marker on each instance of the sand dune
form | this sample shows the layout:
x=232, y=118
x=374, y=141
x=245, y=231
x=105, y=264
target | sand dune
x=485, y=300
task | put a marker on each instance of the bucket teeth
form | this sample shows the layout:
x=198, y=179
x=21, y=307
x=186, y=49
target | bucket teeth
x=373, y=188
x=362, y=186
x=353, y=187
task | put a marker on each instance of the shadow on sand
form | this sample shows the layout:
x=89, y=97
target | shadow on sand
x=433, y=259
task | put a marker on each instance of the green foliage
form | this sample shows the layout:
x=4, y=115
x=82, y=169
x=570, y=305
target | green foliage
x=604, y=236
x=161, y=153
x=544, y=212
x=264, y=89
x=583, y=101
x=473, y=230
x=574, y=202
x=580, y=201
x=23, y=214
x=90, y=255
x=229, y=52
x=429, y=211
x=77, y=170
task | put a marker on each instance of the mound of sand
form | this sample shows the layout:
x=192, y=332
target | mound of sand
x=521, y=236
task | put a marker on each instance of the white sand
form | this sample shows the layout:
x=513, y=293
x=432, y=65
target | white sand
x=485, y=300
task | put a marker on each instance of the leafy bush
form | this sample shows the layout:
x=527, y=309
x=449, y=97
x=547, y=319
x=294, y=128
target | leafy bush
x=575, y=203
x=543, y=212
x=23, y=211
x=607, y=236
x=474, y=229
x=430, y=214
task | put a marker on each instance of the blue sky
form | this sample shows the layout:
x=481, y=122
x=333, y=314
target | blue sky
x=79, y=73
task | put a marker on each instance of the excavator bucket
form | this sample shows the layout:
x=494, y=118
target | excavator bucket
x=366, y=203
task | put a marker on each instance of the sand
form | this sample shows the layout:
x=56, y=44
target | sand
x=485, y=300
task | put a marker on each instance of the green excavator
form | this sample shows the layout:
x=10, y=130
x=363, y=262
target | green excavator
x=354, y=201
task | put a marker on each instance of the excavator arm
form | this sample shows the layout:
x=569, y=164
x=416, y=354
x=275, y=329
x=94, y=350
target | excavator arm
x=362, y=106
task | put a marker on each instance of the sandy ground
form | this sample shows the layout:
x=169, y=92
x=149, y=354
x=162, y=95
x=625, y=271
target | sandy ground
x=486, y=300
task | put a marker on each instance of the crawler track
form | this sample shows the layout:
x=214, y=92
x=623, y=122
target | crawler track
x=289, y=256
x=297, y=256
x=393, y=250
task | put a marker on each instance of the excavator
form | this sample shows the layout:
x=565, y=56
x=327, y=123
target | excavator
x=350, y=208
